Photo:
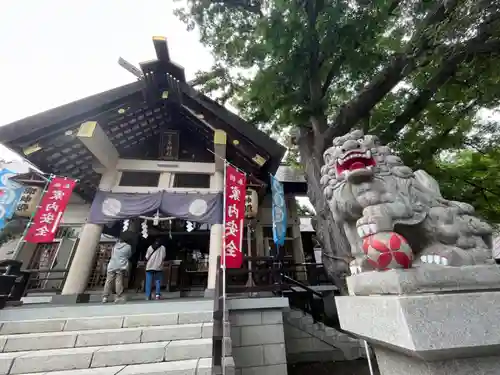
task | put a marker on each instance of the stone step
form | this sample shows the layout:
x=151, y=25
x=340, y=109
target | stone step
x=98, y=322
x=202, y=366
x=350, y=347
x=32, y=312
x=105, y=356
x=103, y=337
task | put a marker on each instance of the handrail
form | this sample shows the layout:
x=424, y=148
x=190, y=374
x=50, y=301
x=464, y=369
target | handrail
x=301, y=285
x=318, y=337
x=45, y=270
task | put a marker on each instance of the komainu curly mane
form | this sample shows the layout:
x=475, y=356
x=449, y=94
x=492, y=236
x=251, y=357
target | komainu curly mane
x=370, y=190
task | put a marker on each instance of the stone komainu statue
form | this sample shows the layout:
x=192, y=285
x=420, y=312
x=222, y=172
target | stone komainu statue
x=370, y=191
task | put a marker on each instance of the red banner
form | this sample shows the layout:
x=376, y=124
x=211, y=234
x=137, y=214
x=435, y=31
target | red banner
x=234, y=216
x=49, y=213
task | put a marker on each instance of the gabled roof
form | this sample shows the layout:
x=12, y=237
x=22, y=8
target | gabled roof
x=31, y=178
x=131, y=116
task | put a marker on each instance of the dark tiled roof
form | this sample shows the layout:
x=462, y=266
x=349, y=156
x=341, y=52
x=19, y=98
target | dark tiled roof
x=132, y=117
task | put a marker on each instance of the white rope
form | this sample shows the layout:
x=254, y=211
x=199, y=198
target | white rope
x=152, y=218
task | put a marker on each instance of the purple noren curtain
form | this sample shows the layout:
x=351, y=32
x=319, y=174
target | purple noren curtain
x=109, y=207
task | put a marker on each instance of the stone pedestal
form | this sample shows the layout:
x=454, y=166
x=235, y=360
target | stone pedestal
x=258, y=336
x=429, y=320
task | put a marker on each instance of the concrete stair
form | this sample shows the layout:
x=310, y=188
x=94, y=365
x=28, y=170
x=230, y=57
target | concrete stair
x=350, y=347
x=138, y=338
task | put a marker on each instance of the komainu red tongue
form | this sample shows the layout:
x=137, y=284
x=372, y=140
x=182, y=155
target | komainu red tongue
x=356, y=165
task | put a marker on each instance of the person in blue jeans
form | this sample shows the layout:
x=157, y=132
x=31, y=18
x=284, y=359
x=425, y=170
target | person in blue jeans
x=155, y=255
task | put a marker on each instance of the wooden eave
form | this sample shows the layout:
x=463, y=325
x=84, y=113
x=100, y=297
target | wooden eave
x=29, y=179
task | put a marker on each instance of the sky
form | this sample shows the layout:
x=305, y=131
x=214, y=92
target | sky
x=53, y=52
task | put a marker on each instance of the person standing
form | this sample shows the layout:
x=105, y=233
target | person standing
x=155, y=255
x=117, y=267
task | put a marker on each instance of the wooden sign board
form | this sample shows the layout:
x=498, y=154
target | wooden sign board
x=28, y=201
x=169, y=145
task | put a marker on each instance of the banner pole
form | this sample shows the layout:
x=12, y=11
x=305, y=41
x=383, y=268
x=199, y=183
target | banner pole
x=223, y=257
x=30, y=221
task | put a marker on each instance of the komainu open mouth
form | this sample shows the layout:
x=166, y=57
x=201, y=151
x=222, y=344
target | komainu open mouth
x=355, y=160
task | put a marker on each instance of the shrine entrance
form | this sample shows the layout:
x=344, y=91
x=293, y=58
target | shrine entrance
x=185, y=269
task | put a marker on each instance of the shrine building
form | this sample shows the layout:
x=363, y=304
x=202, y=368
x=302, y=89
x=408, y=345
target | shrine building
x=154, y=143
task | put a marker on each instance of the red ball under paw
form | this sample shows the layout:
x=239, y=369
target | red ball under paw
x=387, y=250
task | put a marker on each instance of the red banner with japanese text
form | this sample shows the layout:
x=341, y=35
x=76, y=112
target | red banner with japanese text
x=234, y=216
x=49, y=214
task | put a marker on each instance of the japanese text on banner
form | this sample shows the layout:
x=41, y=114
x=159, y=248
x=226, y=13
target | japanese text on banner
x=49, y=213
x=234, y=216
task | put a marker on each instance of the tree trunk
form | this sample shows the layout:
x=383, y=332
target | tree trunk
x=336, y=248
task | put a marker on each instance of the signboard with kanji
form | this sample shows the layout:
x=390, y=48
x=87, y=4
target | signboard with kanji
x=28, y=201
x=169, y=145
x=234, y=215
x=49, y=213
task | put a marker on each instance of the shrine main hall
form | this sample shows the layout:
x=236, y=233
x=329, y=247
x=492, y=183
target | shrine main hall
x=160, y=139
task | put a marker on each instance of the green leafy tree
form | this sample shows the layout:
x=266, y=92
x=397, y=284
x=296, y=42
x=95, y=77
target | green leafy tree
x=414, y=72
x=303, y=210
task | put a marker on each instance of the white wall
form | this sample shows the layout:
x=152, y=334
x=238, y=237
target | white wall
x=164, y=166
x=167, y=169
x=75, y=214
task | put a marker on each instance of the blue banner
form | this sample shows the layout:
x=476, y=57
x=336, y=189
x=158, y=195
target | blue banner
x=10, y=192
x=279, y=212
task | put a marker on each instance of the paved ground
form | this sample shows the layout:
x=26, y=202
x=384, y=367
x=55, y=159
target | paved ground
x=359, y=367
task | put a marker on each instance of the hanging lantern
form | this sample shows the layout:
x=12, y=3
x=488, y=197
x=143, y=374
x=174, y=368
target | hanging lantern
x=251, y=203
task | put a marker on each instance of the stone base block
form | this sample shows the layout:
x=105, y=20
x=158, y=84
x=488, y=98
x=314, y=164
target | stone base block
x=428, y=326
x=68, y=299
x=426, y=279
x=394, y=363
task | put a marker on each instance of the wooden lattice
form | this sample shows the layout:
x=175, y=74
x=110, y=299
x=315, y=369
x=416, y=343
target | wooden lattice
x=98, y=275
x=42, y=258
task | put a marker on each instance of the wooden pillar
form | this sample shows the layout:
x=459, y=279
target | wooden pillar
x=216, y=231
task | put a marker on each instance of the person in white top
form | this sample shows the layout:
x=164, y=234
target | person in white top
x=155, y=256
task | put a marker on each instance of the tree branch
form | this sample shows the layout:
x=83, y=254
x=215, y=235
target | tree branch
x=395, y=4
x=204, y=77
x=334, y=68
x=480, y=187
x=318, y=118
x=478, y=45
x=337, y=64
x=252, y=6
x=420, y=101
x=388, y=78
